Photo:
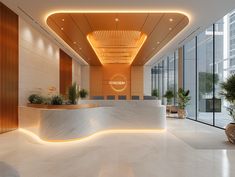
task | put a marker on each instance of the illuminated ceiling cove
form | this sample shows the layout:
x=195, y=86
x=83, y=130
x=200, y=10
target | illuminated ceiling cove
x=104, y=38
x=116, y=46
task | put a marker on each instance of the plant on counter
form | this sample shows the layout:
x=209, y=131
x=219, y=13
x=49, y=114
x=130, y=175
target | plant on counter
x=73, y=94
x=183, y=100
x=36, y=99
x=57, y=100
x=155, y=93
x=83, y=93
x=169, y=95
x=228, y=91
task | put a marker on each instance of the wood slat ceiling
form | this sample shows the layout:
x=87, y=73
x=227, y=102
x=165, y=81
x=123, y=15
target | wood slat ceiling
x=73, y=28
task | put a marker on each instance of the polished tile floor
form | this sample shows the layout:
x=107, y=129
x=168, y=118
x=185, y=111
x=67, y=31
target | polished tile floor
x=186, y=149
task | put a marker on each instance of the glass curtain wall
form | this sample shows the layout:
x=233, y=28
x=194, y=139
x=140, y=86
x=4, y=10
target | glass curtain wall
x=209, y=59
x=190, y=76
x=164, y=76
x=205, y=76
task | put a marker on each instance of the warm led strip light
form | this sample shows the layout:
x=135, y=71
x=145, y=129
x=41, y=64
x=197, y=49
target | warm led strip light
x=110, y=46
x=90, y=137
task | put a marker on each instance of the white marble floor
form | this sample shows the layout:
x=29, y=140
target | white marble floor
x=172, y=153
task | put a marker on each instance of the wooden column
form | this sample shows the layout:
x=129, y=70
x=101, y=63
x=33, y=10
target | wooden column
x=65, y=72
x=9, y=54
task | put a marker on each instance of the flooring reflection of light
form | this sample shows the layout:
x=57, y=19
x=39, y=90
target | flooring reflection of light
x=93, y=136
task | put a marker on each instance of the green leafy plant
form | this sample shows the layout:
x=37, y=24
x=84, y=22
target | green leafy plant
x=35, y=99
x=183, y=98
x=155, y=93
x=83, y=93
x=57, y=100
x=73, y=94
x=228, y=91
x=206, y=82
x=169, y=95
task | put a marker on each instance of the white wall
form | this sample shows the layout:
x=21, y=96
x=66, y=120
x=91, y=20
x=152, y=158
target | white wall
x=147, y=80
x=38, y=62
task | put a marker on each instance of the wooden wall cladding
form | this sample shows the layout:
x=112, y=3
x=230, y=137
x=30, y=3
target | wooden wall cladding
x=9, y=54
x=65, y=72
x=110, y=79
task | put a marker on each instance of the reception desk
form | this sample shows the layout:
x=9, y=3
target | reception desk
x=70, y=124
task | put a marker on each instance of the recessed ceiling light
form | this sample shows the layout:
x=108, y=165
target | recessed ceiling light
x=158, y=42
x=153, y=48
x=116, y=19
x=80, y=48
x=62, y=28
x=170, y=29
x=62, y=19
x=171, y=19
x=74, y=42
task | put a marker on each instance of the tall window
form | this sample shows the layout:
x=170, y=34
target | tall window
x=190, y=76
x=205, y=76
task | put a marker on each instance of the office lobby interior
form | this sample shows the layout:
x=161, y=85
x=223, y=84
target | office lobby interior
x=117, y=88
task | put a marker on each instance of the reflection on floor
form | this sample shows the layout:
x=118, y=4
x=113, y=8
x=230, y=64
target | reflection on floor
x=186, y=149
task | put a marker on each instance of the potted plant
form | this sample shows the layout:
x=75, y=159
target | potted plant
x=57, y=100
x=73, y=94
x=155, y=93
x=228, y=91
x=183, y=99
x=169, y=95
x=83, y=93
x=35, y=99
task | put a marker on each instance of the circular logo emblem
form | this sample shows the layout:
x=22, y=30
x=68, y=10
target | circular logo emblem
x=118, y=83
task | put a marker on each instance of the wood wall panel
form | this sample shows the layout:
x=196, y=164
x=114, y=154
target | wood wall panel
x=100, y=77
x=137, y=81
x=8, y=69
x=65, y=72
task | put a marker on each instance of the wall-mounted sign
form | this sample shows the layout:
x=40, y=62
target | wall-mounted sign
x=118, y=83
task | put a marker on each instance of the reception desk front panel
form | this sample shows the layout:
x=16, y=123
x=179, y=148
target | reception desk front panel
x=63, y=125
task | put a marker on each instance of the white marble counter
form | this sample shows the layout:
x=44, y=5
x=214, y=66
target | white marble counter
x=59, y=125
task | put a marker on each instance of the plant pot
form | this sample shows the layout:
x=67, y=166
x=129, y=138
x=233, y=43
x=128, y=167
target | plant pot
x=181, y=113
x=230, y=132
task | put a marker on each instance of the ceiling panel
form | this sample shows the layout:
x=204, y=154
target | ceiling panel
x=160, y=28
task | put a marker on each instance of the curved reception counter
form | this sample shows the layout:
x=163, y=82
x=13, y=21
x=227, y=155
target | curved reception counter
x=70, y=124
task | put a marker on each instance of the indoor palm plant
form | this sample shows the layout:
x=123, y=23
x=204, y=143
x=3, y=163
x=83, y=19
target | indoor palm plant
x=73, y=94
x=83, y=93
x=183, y=100
x=155, y=93
x=169, y=95
x=228, y=91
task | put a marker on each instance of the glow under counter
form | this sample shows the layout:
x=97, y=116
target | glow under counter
x=73, y=124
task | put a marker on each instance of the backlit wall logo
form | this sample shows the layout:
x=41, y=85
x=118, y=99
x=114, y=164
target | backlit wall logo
x=118, y=83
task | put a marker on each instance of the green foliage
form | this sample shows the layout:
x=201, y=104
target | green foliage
x=73, y=94
x=183, y=98
x=35, y=99
x=228, y=91
x=83, y=93
x=206, y=82
x=169, y=95
x=155, y=93
x=57, y=100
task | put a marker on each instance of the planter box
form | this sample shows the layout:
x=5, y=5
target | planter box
x=78, y=106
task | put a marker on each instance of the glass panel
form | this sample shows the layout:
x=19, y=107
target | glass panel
x=176, y=74
x=171, y=74
x=165, y=78
x=160, y=80
x=205, y=76
x=223, y=65
x=190, y=76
